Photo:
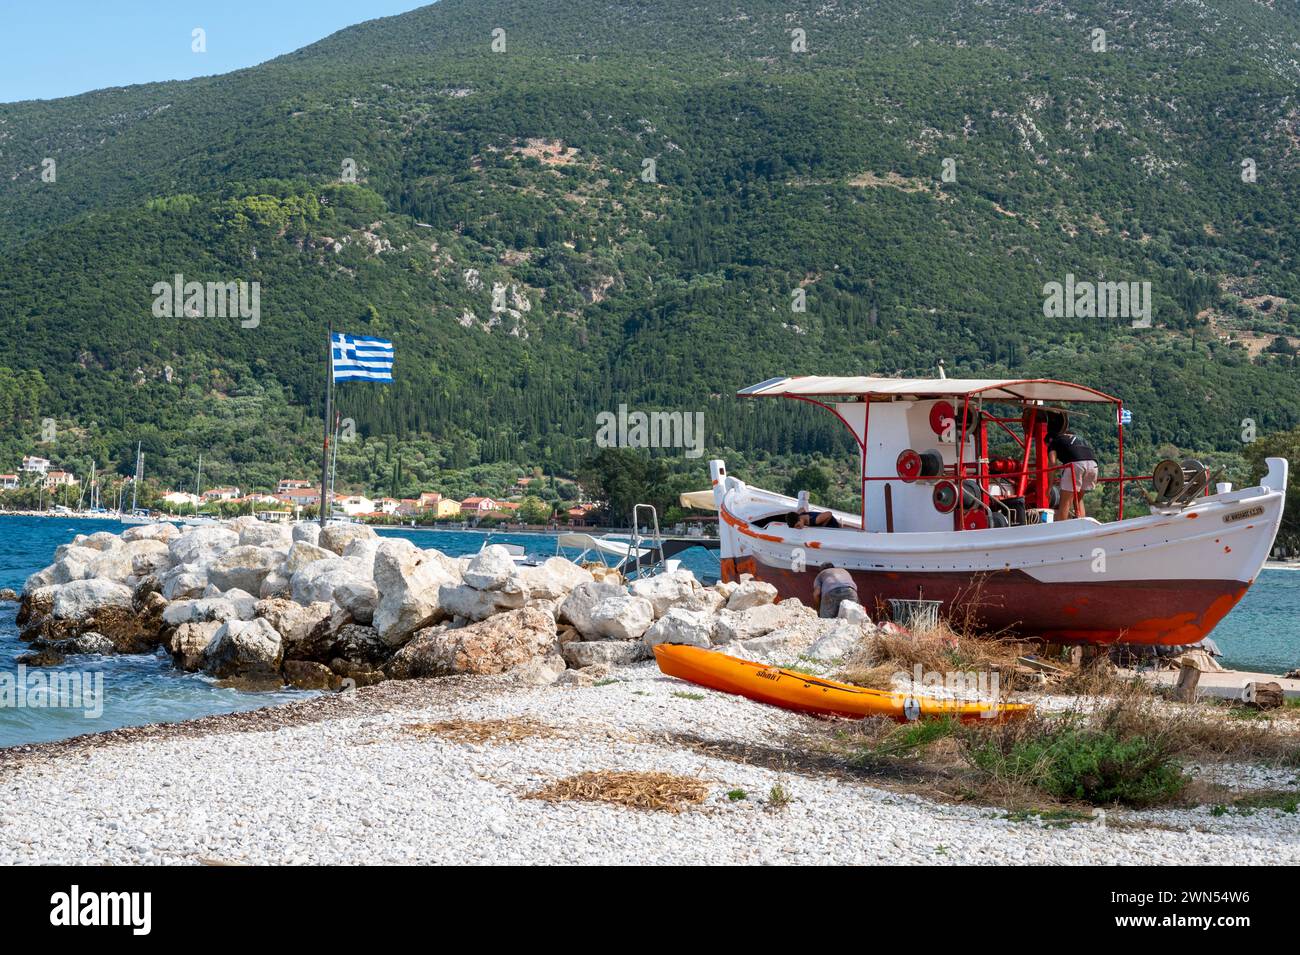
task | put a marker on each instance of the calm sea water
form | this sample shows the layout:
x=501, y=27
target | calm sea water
x=1262, y=633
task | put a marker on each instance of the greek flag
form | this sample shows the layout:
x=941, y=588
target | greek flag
x=1125, y=416
x=359, y=358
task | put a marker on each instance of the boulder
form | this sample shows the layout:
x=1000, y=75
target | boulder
x=160, y=532
x=244, y=567
x=245, y=603
x=295, y=623
x=854, y=612
x=85, y=643
x=360, y=645
x=275, y=584
x=148, y=556
x=751, y=593
x=100, y=540
x=83, y=598
x=244, y=648
x=336, y=537
x=73, y=564
x=189, y=642
x=540, y=671
x=584, y=676
x=585, y=653
x=578, y=606
x=462, y=600
x=356, y=674
x=317, y=581
x=553, y=579
x=495, y=645
x=308, y=532
x=202, y=545
x=306, y=675
x=302, y=553
x=203, y=610
x=359, y=598
x=666, y=590
x=759, y=620
x=409, y=582
x=266, y=534
x=691, y=627
x=8, y=595
x=837, y=642
x=621, y=617
x=185, y=581
x=362, y=552
x=490, y=568
x=42, y=578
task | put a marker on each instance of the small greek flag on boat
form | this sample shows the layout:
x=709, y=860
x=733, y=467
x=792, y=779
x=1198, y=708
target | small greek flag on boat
x=1125, y=416
x=359, y=358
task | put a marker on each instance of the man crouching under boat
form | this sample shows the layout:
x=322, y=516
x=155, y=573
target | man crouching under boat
x=833, y=586
x=1079, y=474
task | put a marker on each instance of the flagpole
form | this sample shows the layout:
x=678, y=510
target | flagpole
x=329, y=402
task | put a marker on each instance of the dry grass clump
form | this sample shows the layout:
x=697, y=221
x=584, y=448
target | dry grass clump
x=938, y=650
x=511, y=730
x=663, y=792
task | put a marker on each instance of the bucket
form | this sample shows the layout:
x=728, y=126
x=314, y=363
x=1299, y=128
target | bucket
x=1223, y=487
x=915, y=614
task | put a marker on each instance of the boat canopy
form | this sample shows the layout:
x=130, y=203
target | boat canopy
x=992, y=389
x=700, y=500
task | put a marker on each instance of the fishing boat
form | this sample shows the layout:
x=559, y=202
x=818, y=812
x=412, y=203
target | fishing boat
x=957, y=497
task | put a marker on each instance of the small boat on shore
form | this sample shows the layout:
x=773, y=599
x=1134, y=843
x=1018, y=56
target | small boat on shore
x=811, y=694
x=945, y=517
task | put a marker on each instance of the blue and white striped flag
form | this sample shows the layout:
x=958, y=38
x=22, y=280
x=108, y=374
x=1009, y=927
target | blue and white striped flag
x=1126, y=417
x=359, y=358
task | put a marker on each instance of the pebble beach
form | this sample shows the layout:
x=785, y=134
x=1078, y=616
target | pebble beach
x=357, y=778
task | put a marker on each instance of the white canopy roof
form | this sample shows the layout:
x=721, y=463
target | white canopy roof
x=994, y=389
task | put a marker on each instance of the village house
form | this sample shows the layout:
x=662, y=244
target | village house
x=477, y=506
x=60, y=479
x=291, y=484
x=407, y=506
x=35, y=465
x=300, y=496
x=447, y=507
x=221, y=494
x=8, y=482
x=180, y=498
x=355, y=504
x=387, y=505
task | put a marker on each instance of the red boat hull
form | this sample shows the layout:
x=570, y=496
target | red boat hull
x=1166, y=612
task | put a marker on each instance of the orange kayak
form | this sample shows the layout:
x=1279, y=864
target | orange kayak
x=812, y=694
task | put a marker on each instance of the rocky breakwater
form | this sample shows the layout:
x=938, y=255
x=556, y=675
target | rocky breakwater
x=265, y=605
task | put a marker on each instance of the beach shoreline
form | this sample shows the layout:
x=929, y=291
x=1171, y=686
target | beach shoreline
x=359, y=777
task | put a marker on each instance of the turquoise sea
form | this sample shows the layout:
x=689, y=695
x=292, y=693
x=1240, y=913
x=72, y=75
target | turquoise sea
x=1262, y=633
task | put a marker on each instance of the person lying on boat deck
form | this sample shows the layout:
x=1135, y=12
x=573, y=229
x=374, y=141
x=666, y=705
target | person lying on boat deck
x=1080, y=473
x=801, y=519
x=833, y=586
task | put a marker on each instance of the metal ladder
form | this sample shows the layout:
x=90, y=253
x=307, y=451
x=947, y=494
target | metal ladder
x=656, y=564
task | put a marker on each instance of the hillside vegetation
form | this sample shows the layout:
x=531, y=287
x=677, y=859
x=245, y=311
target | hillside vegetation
x=504, y=230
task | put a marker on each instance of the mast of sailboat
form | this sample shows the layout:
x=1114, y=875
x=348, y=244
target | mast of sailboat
x=135, y=482
x=198, y=485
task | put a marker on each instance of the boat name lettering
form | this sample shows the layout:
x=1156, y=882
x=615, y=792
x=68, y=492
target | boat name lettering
x=1255, y=511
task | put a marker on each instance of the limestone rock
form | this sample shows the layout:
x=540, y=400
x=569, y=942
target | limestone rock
x=751, y=593
x=621, y=617
x=756, y=621
x=244, y=567
x=306, y=675
x=578, y=606
x=266, y=534
x=161, y=532
x=190, y=641
x=666, y=590
x=490, y=568
x=336, y=537
x=585, y=653
x=202, y=545
x=495, y=645
x=302, y=553
x=691, y=627
x=306, y=531
x=244, y=648
x=408, y=581
x=554, y=578
x=359, y=598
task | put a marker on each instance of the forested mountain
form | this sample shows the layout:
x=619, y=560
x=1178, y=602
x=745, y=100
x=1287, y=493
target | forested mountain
x=561, y=206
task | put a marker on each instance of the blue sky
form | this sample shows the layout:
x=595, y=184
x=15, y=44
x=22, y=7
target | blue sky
x=52, y=48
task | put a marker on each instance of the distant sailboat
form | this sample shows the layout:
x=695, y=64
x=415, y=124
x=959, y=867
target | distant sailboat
x=198, y=520
x=136, y=516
